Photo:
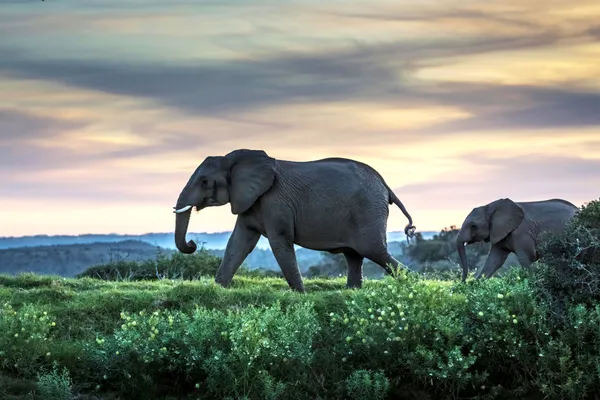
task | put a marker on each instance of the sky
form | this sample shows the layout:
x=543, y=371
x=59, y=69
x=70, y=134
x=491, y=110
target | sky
x=107, y=107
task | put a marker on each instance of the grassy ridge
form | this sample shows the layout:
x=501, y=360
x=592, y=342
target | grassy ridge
x=85, y=307
x=81, y=310
x=260, y=340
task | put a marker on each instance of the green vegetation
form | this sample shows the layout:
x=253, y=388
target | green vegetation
x=414, y=336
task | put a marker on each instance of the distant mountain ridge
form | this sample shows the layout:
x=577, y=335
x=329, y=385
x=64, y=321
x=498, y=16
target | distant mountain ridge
x=71, y=259
x=68, y=255
x=216, y=241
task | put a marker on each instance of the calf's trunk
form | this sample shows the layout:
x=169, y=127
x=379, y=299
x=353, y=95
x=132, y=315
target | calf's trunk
x=462, y=254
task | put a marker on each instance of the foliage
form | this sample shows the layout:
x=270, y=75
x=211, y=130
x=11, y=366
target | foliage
x=24, y=337
x=439, y=254
x=498, y=338
x=258, y=340
x=367, y=385
x=570, y=263
x=236, y=353
x=54, y=386
x=170, y=266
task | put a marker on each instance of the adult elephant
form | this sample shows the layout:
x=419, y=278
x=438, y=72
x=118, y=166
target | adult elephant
x=511, y=227
x=334, y=204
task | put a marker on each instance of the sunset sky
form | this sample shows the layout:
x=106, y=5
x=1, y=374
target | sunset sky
x=107, y=107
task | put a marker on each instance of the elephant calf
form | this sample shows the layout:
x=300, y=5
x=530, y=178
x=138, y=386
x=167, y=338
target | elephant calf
x=334, y=204
x=511, y=228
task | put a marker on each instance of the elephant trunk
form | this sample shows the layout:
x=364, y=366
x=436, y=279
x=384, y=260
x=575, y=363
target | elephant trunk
x=462, y=254
x=182, y=220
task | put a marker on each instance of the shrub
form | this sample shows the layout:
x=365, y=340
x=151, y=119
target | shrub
x=439, y=254
x=367, y=385
x=567, y=284
x=24, y=337
x=52, y=386
x=569, y=266
x=172, y=266
x=444, y=335
x=228, y=352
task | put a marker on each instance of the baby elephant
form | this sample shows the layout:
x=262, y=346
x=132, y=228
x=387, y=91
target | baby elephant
x=512, y=228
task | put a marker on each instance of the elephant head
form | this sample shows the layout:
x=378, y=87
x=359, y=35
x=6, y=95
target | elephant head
x=490, y=223
x=238, y=178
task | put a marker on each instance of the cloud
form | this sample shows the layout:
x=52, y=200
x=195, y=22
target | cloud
x=519, y=178
x=94, y=187
x=496, y=107
x=362, y=72
x=18, y=124
x=442, y=16
x=20, y=151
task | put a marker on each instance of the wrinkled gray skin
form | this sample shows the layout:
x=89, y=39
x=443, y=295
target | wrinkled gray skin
x=511, y=227
x=335, y=205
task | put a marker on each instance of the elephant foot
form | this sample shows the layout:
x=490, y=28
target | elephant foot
x=225, y=283
x=299, y=289
x=353, y=285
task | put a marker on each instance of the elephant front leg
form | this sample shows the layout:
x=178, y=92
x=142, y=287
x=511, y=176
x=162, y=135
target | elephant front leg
x=526, y=257
x=494, y=261
x=355, y=267
x=240, y=244
x=283, y=250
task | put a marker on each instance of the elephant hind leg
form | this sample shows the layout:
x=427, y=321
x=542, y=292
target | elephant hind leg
x=355, y=267
x=285, y=255
x=384, y=260
x=526, y=257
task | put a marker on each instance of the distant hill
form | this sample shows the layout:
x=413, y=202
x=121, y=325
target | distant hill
x=216, y=240
x=71, y=259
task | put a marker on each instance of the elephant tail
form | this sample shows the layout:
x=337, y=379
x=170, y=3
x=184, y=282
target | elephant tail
x=409, y=229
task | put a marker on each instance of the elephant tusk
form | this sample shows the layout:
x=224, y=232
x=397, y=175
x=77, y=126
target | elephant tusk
x=184, y=209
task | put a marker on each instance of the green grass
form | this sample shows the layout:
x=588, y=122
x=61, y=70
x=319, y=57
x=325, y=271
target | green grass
x=83, y=307
x=83, y=332
x=409, y=337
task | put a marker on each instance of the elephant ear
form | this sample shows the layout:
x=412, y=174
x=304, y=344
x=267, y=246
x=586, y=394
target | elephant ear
x=506, y=216
x=252, y=173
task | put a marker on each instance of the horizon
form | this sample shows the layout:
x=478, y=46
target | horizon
x=106, y=110
x=162, y=233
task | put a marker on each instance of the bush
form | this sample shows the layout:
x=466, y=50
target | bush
x=438, y=256
x=249, y=352
x=567, y=284
x=173, y=266
x=367, y=385
x=569, y=266
x=52, y=386
x=443, y=336
x=24, y=335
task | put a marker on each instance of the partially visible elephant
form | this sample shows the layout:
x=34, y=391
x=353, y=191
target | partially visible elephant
x=511, y=227
x=334, y=204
